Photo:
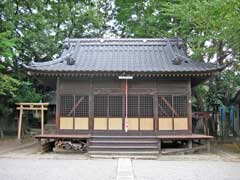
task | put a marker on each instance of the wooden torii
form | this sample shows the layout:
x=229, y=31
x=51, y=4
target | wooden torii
x=33, y=107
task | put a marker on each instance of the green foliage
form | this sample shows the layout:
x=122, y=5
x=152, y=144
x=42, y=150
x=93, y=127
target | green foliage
x=142, y=18
x=211, y=30
x=8, y=85
x=216, y=22
x=6, y=44
x=27, y=93
x=35, y=30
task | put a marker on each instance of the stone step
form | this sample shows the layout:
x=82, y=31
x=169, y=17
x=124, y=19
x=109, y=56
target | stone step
x=122, y=141
x=122, y=147
x=148, y=157
x=124, y=137
x=126, y=153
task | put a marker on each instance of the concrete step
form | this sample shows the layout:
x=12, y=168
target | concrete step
x=122, y=147
x=125, y=153
x=122, y=141
x=149, y=157
x=125, y=137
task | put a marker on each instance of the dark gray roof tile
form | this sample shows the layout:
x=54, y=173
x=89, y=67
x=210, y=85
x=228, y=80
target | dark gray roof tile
x=124, y=55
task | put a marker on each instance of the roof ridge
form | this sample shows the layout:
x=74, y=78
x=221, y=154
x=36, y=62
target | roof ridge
x=122, y=40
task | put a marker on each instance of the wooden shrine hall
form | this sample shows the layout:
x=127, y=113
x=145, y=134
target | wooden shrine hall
x=111, y=91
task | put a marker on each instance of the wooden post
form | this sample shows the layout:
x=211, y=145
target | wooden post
x=91, y=106
x=58, y=104
x=155, y=112
x=189, y=107
x=208, y=146
x=20, y=122
x=42, y=120
x=159, y=145
x=1, y=133
x=190, y=144
x=126, y=106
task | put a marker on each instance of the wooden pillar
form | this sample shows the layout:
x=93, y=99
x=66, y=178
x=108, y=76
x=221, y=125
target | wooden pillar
x=1, y=133
x=208, y=145
x=58, y=104
x=189, y=106
x=159, y=145
x=42, y=120
x=91, y=106
x=190, y=144
x=155, y=112
x=126, y=108
x=20, y=122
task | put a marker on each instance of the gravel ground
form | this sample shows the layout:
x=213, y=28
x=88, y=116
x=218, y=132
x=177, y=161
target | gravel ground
x=28, y=163
x=186, y=170
x=106, y=169
x=39, y=169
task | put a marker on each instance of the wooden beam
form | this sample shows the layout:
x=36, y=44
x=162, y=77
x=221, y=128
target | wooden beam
x=29, y=108
x=45, y=104
x=169, y=105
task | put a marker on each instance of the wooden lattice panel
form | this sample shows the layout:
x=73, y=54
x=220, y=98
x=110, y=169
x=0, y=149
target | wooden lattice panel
x=100, y=106
x=115, y=106
x=164, y=106
x=133, y=104
x=81, y=106
x=172, y=106
x=146, y=106
x=180, y=105
x=66, y=105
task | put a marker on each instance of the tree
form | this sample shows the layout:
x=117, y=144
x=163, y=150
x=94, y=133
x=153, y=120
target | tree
x=211, y=31
x=142, y=19
x=35, y=31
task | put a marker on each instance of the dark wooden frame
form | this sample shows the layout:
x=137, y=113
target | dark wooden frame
x=147, y=87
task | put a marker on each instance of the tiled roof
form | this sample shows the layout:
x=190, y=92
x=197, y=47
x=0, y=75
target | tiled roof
x=123, y=55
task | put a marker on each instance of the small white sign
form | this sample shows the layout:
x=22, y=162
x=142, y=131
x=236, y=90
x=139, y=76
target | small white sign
x=125, y=77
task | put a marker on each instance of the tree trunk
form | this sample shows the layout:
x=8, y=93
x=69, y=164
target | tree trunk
x=200, y=102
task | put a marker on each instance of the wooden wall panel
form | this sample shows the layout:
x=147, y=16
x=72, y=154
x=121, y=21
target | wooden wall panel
x=116, y=86
x=70, y=86
x=107, y=83
x=100, y=123
x=180, y=123
x=66, y=123
x=132, y=123
x=115, y=123
x=165, y=124
x=169, y=87
x=81, y=123
x=146, y=123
